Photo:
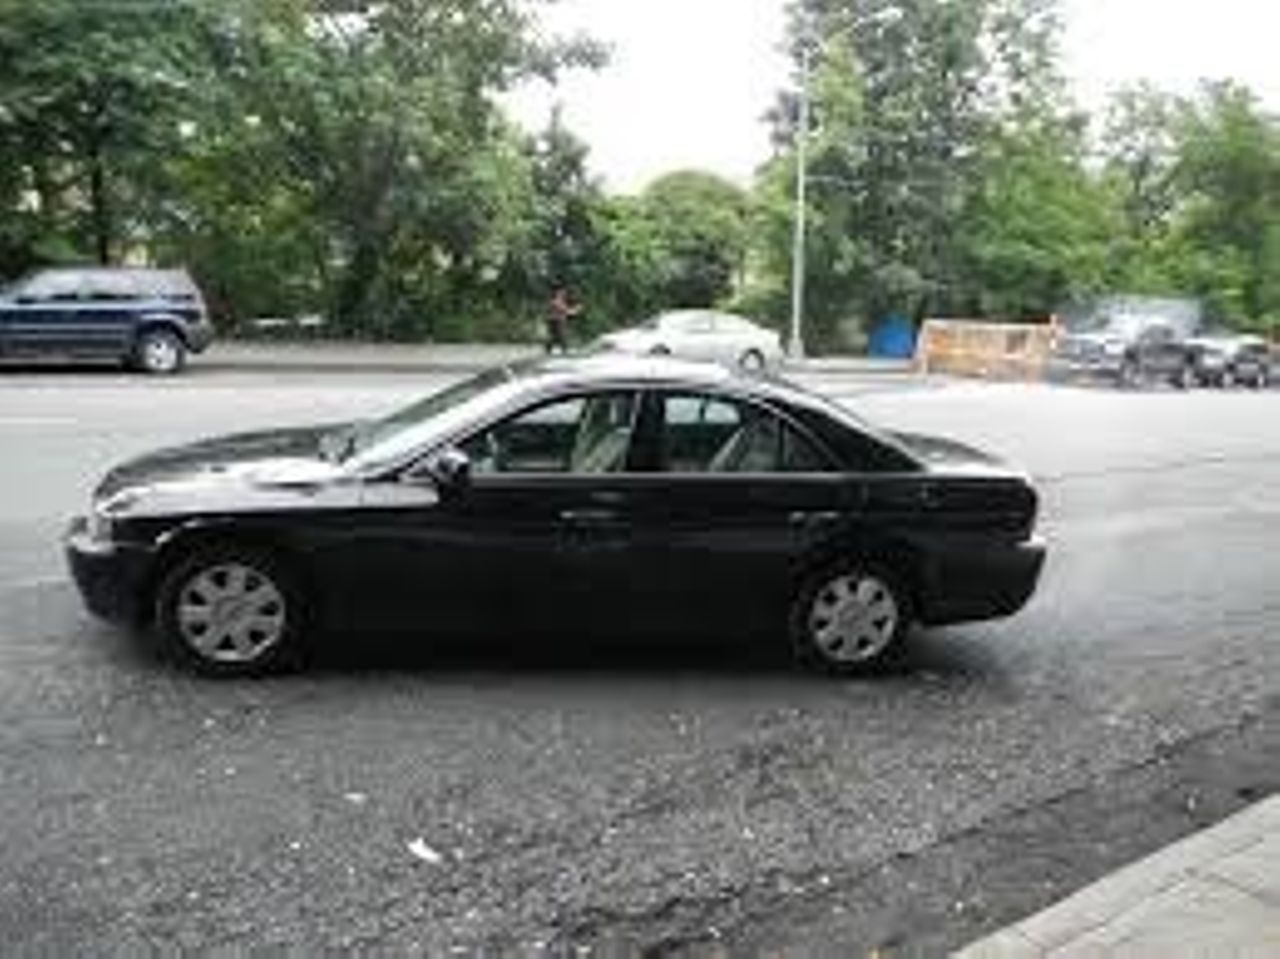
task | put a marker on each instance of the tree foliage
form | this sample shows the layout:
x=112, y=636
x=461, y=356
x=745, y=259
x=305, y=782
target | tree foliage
x=352, y=159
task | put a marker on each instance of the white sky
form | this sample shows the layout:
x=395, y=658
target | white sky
x=690, y=80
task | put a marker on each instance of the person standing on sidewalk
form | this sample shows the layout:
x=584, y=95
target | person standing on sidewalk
x=561, y=310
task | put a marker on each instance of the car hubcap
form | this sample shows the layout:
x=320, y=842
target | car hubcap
x=231, y=614
x=160, y=355
x=854, y=618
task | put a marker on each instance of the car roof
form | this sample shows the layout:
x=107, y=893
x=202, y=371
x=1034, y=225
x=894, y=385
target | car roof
x=643, y=372
x=148, y=277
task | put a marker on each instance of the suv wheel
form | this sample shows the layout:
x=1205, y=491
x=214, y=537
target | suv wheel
x=850, y=618
x=160, y=352
x=231, y=611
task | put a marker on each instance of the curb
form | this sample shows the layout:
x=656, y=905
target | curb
x=1214, y=893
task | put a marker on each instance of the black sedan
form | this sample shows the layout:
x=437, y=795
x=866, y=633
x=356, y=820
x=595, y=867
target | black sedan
x=608, y=494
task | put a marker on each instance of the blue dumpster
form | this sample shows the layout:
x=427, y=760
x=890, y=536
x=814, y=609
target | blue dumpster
x=894, y=337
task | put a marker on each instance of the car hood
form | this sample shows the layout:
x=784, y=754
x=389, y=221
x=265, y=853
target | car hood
x=266, y=459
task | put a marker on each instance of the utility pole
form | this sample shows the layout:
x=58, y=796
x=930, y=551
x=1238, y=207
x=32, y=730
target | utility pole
x=796, y=347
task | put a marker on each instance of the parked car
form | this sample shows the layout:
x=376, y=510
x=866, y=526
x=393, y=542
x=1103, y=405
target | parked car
x=149, y=319
x=1225, y=358
x=700, y=335
x=600, y=493
x=1126, y=350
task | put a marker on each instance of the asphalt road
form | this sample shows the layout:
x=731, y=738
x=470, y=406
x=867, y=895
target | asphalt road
x=661, y=800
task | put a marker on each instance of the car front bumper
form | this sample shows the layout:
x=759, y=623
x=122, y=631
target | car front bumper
x=199, y=336
x=968, y=584
x=111, y=577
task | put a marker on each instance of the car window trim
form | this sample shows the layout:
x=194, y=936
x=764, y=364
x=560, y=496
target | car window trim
x=656, y=422
x=549, y=399
x=412, y=463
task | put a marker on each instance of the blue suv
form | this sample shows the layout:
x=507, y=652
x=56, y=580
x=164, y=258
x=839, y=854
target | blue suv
x=149, y=319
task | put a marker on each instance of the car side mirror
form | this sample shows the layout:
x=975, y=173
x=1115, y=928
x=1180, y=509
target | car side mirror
x=450, y=471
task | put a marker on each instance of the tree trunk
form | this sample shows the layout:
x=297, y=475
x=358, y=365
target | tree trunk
x=100, y=207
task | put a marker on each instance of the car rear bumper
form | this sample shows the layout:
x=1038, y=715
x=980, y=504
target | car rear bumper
x=992, y=582
x=111, y=577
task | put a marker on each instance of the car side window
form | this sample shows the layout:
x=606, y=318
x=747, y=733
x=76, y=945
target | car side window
x=583, y=435
x=711, y=434
x=108, y=287
x=694, y=324
x=57, y=287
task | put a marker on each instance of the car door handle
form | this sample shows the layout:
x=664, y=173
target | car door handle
x=588, y=516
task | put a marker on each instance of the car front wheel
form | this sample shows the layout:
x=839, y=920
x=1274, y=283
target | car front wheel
x=231, y=611
x=753, y=361
x=160, y=352
x=850, y=619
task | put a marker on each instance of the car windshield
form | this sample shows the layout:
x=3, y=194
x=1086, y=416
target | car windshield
x=369, y=445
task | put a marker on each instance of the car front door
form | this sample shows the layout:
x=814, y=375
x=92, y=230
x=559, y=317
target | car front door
x=738, y=498
x=535, y=540
x=104, y=321
x=698, y=337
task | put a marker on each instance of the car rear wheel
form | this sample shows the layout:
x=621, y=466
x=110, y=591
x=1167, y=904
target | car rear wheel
x=160, y=352
x=231, y=611
x=850, y=619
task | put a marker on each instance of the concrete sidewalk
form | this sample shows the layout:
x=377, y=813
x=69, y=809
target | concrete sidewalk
x=1214, y=894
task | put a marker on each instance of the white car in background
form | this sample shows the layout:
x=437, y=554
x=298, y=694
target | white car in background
x=700, y=335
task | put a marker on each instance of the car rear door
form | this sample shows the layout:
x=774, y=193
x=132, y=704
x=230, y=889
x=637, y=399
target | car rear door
x=737, y=499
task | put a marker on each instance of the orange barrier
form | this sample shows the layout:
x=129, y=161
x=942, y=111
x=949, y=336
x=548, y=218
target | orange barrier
x=1004, y=351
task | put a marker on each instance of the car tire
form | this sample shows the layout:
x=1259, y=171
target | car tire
x=1227, y=380
x=1129, y=376
x=753, y=361
x=1185, y=378
x=232, y=611
x=850, y=618
x=1262, y=380
x=659, y=350
x=159, y=352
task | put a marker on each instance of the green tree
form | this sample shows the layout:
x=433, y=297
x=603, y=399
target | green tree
x=907, y=95
x=1229, y=168
x=1038, y=229
x=700, y=223
x=90, y=97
